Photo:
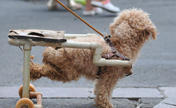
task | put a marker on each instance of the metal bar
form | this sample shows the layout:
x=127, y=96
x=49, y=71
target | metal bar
x=39, y=99
x=26, y=71
x=77, y=35
x=85, y=45
x=74, y=35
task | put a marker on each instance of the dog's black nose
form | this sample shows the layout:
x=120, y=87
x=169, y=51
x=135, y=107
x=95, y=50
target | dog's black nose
x=128, y=74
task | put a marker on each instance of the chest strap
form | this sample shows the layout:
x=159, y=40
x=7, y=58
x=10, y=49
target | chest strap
x=114, y=53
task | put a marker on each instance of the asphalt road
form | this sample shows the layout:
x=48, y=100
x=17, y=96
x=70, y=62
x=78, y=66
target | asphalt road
x=155, y=67
x=85, y=103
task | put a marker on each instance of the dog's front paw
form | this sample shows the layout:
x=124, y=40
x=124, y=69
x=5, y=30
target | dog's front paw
x=105, y=105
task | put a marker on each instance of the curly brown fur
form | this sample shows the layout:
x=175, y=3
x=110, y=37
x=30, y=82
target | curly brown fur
x=130, y=30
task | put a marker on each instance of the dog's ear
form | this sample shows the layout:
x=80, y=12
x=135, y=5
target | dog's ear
x=150, y=32
x=140, y=21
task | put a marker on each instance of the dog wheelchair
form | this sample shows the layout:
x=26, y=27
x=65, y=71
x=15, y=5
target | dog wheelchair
x=57, y=39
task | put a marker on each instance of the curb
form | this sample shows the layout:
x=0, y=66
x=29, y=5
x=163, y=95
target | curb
x=166, y=93
x=12, y=92
x=169, y=93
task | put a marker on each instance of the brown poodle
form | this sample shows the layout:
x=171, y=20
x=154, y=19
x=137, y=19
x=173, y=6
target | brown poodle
x=130, y=30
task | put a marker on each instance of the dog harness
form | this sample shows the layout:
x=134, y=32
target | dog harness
x=114, y=53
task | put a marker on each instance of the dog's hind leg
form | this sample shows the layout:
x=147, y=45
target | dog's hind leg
x=52, y=72
x=46, y=70
x=104, y=87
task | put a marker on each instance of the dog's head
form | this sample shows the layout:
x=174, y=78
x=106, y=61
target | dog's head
x=130, y=29
x=133, y=23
